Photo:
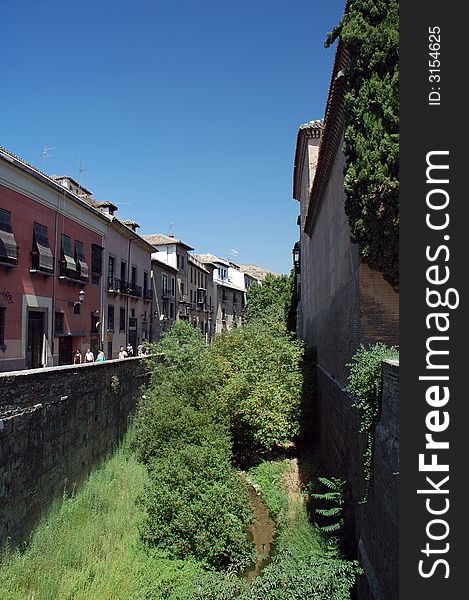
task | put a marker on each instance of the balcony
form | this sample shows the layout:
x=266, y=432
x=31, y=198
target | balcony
x=147, y=295
x=69, y=274
x=113, y=284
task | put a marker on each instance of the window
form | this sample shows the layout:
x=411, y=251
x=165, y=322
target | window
x=164, y=283
x=80, y=259
x=110, y=272
x=192, y=275
x=133, y=278
x=2, y=325
x=182, y=288
x=59, y=323
x=173, y=286
x=76, y=308
x=96, y=262
x=8, y=247
x=110, y=317
x=165, y=308
x=123, y=273
x=171, y=310
x=122, y=320
x=182, y=262
x=177, y=260
x=145, y=283
x=41, y=256
x=68, y=266
x=234, y=298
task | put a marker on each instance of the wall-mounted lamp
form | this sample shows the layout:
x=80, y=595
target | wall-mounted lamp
x=81, y=298
x=297, y=256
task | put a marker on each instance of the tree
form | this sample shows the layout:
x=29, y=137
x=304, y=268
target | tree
x=370, y=32
x=270, y=300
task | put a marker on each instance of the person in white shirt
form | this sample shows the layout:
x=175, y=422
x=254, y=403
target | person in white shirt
x=89, y=356
x=122, y=352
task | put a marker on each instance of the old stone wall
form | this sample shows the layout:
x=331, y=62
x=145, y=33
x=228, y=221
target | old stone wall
x=56, y=424
x=375, y=523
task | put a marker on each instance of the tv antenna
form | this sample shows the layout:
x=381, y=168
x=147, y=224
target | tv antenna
x=81, y=168
x=45, y=154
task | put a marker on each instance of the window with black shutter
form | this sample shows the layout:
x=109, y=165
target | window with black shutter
x=8, y=246
x=68, y=266
x=96, y=262
x=59, y=323
x=110, y=318
x=80, y=259
x=41, y=256
x=122, y=320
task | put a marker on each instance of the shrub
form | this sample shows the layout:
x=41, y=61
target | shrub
x=262, y=385
x=365, y=386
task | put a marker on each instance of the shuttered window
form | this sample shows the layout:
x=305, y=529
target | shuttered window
x=70, y=264
x=8, y=246
x=81, y=261
x=42, y=258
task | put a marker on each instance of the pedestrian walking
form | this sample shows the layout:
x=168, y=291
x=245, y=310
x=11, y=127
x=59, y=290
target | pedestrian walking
x=89, y=356
x=122, y=352
x=77, y=357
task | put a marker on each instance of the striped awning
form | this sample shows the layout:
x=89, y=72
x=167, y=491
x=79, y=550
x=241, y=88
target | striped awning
x=70, y=263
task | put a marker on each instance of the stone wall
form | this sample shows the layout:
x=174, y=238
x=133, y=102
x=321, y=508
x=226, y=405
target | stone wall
x=56, y=424
x=374, y=530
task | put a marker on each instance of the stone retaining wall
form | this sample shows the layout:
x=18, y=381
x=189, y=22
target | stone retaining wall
x=56, y=424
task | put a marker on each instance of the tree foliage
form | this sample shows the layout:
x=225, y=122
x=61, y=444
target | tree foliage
x=269, y=300
x=370, y=31
x=262, y=383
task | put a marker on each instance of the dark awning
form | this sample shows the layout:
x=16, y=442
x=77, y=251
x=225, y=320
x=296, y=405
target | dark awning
x=8, y=247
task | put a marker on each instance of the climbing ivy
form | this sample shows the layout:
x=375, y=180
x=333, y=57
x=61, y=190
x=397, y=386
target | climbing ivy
x=369, y=31
x=365, y=386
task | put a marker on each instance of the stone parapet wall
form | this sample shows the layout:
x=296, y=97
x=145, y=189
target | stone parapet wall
x=375, y=530
x=56, y=424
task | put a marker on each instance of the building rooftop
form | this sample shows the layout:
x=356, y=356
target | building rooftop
x=160, y=239
x=211, y=258
x=256, y=271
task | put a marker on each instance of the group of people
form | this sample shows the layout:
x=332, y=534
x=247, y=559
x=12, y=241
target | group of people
x=88, y=357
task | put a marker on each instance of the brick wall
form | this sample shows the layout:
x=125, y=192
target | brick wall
x=374, y=524
x=56, y=424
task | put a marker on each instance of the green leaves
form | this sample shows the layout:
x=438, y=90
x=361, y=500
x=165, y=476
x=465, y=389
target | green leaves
x=370, y=31
x=365, y=386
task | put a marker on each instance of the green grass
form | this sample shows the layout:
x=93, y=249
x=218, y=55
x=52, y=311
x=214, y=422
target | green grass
x=296, y=534
x=88, y=547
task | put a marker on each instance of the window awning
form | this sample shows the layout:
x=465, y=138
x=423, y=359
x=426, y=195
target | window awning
x=70, y=263
x=84, y=269
x=8, y=247
x=46, y=260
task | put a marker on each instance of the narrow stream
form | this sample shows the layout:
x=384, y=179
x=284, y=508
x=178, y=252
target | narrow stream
x=262, y=532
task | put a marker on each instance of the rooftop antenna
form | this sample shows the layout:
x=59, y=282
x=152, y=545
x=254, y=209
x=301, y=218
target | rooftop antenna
x=81, y=168
x=45, y=154
x=170, y=229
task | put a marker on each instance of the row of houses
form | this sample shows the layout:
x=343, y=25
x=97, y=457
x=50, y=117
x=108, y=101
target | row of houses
x=75, y=276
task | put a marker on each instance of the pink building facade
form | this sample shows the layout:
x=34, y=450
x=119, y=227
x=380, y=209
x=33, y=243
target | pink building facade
x=51, y=269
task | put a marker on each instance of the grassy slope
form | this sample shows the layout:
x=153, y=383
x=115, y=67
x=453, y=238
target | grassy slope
x=88, y=547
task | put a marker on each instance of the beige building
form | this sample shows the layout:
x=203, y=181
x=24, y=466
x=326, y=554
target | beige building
x=164, y=297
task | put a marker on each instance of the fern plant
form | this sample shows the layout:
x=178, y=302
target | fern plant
x=333, y=500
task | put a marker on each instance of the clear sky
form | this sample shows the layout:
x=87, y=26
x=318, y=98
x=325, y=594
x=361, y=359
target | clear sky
x=180, y=112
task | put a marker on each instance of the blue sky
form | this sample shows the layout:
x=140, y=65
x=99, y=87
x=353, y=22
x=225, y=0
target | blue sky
x=180, y=112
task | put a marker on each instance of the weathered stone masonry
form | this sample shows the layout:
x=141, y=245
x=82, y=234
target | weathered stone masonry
x=56, y=424
x=377, y=520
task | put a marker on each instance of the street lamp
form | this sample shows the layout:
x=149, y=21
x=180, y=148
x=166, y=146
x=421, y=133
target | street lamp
x=81, y=295
x=297, y=256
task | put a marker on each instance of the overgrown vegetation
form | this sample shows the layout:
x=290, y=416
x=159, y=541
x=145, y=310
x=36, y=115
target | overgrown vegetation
x=196, y=505
x=270, y=300
x=89, y=548
x=365, y=386
x=370, y=31
x=331, y=503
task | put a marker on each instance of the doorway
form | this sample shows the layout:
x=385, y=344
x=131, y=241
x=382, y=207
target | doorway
x=35, y=339
x=65, y=350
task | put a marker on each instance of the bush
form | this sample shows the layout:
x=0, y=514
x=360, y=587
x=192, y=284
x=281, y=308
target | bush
x=365, y=386
x=263, y=383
